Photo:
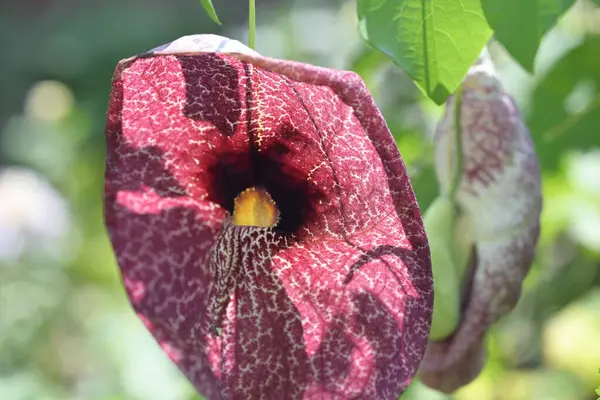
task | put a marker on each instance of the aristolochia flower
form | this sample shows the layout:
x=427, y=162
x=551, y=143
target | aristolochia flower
x=497, y=227
x=265, y=227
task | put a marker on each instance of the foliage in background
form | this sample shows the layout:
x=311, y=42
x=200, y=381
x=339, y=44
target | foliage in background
x=66, y=328
x=520, y=24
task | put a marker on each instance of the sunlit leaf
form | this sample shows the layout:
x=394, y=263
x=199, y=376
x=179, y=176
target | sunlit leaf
x=520, y=24
x=435, y=43
x=210, y=10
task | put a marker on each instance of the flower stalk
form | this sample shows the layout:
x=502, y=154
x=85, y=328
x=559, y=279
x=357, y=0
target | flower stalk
x=252, y=24
x=458, y=170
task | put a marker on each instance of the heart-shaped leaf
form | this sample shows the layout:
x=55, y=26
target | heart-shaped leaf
x=434, y=42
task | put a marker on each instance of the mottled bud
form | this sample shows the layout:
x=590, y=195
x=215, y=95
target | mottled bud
x=499, y=202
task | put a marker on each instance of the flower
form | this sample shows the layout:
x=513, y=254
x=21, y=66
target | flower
x=264, y=224
x=497, y=229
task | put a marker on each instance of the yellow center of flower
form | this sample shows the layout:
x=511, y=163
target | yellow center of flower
x=255, y=207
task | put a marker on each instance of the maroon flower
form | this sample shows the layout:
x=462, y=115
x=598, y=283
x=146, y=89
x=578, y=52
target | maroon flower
x=497, y=229
x=265, y=227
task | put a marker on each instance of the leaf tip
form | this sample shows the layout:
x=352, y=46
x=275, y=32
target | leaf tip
x=210, y=10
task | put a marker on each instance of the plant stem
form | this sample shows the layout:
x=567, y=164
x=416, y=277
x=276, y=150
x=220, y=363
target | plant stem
x=458, y=256
x=252, y=25
x=458, y=172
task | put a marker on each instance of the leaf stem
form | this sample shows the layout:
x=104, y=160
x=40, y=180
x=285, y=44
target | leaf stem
x=252, y=25
x=458, y=172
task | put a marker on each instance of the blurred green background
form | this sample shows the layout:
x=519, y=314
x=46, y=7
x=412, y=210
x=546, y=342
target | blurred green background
x=66, y=328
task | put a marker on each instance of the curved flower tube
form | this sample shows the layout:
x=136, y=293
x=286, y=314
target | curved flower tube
x=439, y=220
x=497, y=227
x=264, y=224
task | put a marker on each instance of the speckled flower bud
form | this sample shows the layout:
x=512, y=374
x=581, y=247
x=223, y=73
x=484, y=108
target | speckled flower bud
x=497, y=228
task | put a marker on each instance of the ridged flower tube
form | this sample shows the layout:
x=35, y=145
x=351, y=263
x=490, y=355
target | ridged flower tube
x=496, y=228
x=264, y=224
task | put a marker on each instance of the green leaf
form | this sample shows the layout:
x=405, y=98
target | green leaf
x=520, y=24
x=433, y=41
x=210, y=10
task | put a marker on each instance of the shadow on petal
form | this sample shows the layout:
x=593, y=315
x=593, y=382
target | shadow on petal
x=213, y=97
